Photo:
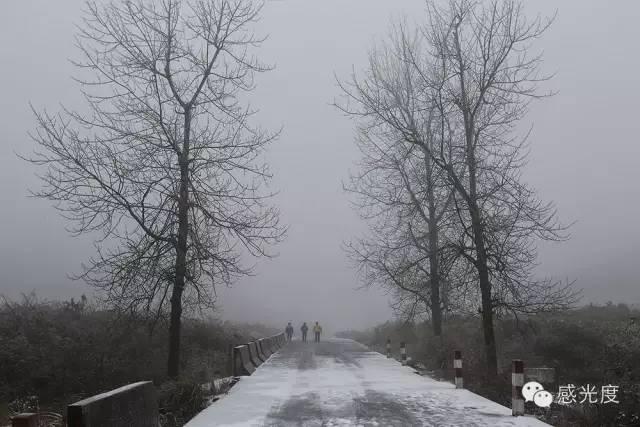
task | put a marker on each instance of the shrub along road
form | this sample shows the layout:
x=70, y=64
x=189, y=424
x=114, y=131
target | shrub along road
x=341, y=383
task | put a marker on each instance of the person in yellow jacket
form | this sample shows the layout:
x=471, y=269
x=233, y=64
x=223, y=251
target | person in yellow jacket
x=317, y=330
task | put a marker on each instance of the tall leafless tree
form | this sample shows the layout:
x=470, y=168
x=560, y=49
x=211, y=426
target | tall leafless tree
x=400, y=192
x=470, y=70
x=163, y=163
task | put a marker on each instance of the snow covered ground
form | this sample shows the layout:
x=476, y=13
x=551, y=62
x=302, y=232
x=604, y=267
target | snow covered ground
x=342, y=383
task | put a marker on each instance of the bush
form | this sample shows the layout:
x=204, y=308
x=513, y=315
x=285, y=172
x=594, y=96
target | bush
x=179, y=402
x=64, y=351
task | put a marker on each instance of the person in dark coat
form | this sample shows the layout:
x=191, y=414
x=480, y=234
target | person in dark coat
x=289, y=331
x=304, y=328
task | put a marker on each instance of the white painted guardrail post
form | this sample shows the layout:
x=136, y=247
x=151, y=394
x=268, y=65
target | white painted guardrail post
x=517, y=381
x=403, y=353
x=457, y=365
x=388, y=348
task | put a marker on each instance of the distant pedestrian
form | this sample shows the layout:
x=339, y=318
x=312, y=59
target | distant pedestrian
x=317, y=330
x=304, y=328
x=289, y=331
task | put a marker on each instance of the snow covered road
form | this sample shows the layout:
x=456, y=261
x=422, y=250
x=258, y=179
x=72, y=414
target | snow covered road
x=342, y=383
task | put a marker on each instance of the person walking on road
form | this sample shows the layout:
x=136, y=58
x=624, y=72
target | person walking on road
x=317, y=330
x=289, y=331
x=304, y=328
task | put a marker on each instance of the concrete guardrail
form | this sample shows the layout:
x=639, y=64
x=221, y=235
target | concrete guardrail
x=253, y=353
x=242, y=361
x=262, y=344
x=261, y=354
x=247, y=357
x=132, y=405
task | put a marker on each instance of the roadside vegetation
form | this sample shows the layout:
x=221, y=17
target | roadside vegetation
x=592, y=345
x=58, y=352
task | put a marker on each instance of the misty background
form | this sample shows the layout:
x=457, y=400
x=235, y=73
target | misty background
x=584, y=153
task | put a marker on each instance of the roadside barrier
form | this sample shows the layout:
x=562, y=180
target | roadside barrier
x=517, y=381
x=246, y=358
x=276, y=342
x=264, y=348
x=242, y=361
x=253, y=353
x=132, y=405
x=261, y=354
x=270, y=345
x=457, y=365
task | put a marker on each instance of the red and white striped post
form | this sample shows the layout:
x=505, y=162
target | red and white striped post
x=517, y=381
x=388, y=348
x=403, y=353
x=457, y=365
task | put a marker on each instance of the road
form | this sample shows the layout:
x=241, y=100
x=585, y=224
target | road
x=341, y=383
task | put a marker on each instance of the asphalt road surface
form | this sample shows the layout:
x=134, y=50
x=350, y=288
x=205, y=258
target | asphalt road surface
x=341, y=383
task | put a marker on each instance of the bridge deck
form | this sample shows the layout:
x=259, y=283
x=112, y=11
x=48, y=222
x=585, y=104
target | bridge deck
x=341, y=383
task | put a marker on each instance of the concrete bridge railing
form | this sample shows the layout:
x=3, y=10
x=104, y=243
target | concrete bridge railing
x=132, y=405
x=247, y=357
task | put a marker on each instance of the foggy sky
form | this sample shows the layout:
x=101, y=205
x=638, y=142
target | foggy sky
x=584, y=153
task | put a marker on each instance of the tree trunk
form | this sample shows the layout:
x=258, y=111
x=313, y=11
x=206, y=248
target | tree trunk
x=174, y=328
x=487, y=319
x=434, y=269
x=434, y=264
x=489, y=335
x=483, y=273
x=181, y=254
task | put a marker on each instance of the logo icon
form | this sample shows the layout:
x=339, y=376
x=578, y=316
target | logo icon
x=530, y=389
x=534, y=392
x=543, y=399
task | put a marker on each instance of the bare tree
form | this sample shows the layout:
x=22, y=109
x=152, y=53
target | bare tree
x=470, y=70
x=401, y=193
x=164, y=163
